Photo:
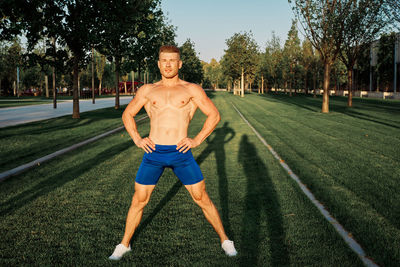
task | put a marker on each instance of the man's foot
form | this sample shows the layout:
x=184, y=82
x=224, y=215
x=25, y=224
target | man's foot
x=229, y=248
x=119, y=251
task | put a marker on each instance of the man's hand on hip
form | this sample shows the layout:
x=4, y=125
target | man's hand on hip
x=185, y=144
x=146, y=144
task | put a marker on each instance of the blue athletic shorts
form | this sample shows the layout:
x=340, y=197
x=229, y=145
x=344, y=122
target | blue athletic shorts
x=183, y=165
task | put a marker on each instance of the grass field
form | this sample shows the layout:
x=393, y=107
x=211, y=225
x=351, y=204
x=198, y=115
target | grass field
x=13, y=101
x=24, y=102
x=24, y=143
x=71, y=211
x=349, y=159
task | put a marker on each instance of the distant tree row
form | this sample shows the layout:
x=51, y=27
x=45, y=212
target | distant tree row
x=338, y=37
x=62, y=37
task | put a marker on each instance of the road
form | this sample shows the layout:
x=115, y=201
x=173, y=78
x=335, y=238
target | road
x=19, y=115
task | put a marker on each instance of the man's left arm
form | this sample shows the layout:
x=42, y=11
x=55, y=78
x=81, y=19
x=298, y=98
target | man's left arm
x=210, y=110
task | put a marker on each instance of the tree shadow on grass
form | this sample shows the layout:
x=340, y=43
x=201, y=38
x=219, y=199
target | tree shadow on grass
x=63, y=122
x=216, y=144
x=52, y=182
x=261, y=197
x=338, y=104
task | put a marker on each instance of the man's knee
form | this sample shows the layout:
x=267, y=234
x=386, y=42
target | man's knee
x=140, y=199
x=200, y=196
x=141, y=196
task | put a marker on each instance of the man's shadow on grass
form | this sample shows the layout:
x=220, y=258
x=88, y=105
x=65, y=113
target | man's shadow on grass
x=216, y=143
x=261, y=198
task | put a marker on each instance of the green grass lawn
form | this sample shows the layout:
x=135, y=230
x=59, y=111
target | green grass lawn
x=349, y=159
x=22, y=102
x=13, y=101
x=23, y=143
x=71, y=210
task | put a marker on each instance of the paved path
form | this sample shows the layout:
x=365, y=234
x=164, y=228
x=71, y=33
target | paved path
x=19, y=115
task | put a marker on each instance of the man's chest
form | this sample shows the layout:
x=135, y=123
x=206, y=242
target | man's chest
x=161, y=98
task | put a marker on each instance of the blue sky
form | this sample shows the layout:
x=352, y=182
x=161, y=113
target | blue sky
x=208, y=23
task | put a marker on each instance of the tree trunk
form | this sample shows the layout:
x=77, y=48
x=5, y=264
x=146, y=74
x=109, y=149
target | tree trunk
x=325, y=98
x=350, y=87
x=100, y=87
x=133, y=82
x=117, y=63
x=315, y=85
x=46, y=81
x=54, y=79
x=262, y=84
x=139, y=72
x=75, y=109
x=242, y=84
x=290, y=80
x=305, y=84
x=126, y=90
x=93, y=100
x=54, y=89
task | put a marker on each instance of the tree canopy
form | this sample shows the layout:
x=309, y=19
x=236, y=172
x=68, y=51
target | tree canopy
x=192, y=70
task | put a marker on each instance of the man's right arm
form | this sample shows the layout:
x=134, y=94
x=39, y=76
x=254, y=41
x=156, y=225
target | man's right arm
x=128, y=117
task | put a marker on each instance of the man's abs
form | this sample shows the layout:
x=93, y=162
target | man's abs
x=169, y=126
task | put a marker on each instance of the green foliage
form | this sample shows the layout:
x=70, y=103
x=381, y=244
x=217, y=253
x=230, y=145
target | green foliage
x=213, y=74
x=100, y=62
x=291, y=55
x=323, y=24
x=241, y=54
x=392, y=10
x=192, y=70
x=307, y=58
x=385, y=60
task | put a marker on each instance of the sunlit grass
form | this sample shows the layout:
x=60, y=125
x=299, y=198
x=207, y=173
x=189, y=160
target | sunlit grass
x=349, y=159
x=23, y=143
x=71, y=210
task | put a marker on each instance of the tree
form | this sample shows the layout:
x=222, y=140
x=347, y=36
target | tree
x=192, y=70
x=385, y=60
x=275, y=51
x=307, y=57
x=323, y=24
x=121, y=24
x=13, y=59
x=291, y=52
x=213, y=72
x=100, y=65
x=69, y=23
x=361, y=26
x=241, y=56
x=392, y=10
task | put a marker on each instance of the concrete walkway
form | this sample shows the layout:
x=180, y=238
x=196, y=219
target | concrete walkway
x=19, y=115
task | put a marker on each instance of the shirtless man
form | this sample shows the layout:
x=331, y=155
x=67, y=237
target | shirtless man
x=170, y=104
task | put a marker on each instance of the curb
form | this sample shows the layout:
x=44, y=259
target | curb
x=7, y=174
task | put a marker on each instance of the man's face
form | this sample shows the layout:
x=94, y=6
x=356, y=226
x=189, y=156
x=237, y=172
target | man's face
x=169, y=64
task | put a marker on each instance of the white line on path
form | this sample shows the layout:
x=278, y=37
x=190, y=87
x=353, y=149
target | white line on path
x=352, y=243
x=22, y=168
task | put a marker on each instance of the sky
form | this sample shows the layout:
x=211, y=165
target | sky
x=209, y=23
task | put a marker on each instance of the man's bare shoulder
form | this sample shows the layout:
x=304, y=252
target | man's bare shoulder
x=145, y=89
x=193, y=89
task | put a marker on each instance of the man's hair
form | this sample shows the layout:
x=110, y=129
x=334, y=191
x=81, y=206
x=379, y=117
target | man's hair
x=169, y=49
